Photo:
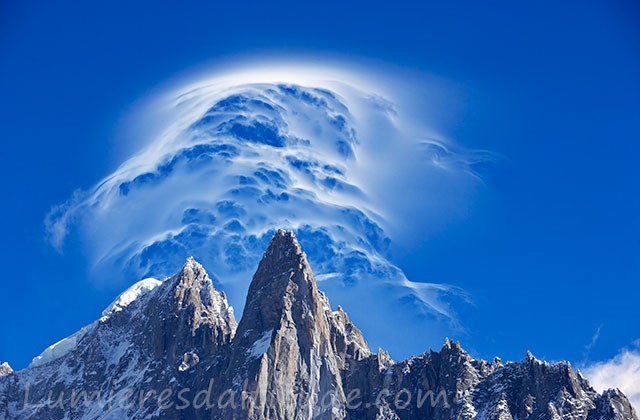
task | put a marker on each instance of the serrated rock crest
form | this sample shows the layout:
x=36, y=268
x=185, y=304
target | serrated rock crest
x=290, y=357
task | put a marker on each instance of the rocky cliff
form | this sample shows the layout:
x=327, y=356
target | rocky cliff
x=172, y=349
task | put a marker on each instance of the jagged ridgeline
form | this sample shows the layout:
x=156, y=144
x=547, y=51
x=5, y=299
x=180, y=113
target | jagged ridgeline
x=173, y=350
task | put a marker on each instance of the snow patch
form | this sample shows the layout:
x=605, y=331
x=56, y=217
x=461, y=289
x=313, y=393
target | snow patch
x=261, y=346
x=189, y=360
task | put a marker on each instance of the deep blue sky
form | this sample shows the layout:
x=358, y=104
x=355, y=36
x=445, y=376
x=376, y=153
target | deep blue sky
x=550, y=250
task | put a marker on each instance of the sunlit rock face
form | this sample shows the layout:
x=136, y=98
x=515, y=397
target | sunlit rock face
x=239, y=162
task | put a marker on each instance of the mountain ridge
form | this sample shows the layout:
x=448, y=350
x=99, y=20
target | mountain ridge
x=290, y=356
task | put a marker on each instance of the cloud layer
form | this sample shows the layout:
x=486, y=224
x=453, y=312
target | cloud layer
x=242, y=155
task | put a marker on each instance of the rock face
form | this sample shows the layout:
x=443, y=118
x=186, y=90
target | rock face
x=172, y=350
x=291, y=348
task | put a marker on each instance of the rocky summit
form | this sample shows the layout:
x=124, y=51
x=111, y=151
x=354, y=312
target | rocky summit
x=172, y=349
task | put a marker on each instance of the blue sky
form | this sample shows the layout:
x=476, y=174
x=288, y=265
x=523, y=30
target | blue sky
x=548, y=248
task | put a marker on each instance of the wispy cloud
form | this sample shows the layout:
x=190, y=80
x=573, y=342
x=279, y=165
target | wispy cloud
x=59, y=220
x=591, y=344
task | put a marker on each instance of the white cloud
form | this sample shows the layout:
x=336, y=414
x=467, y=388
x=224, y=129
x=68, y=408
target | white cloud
x=345, y=164
x=622, y=372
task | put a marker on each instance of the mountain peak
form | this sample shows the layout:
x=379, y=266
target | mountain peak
x=283, y=271
x=192, y=270
x=192, y=286
x=198, y=315
x=530, y=358
x=289, y=345
x=284, y=246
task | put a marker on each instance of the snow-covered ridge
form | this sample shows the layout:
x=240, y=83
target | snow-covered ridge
x=62, y=347
x=124, y=299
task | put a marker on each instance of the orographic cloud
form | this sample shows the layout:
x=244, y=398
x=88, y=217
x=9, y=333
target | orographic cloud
x=238, y=159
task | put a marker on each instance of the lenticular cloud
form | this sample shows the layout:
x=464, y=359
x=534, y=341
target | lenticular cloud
x=238, y=160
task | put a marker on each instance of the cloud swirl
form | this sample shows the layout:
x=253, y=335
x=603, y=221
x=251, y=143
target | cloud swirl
x=238, y=159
